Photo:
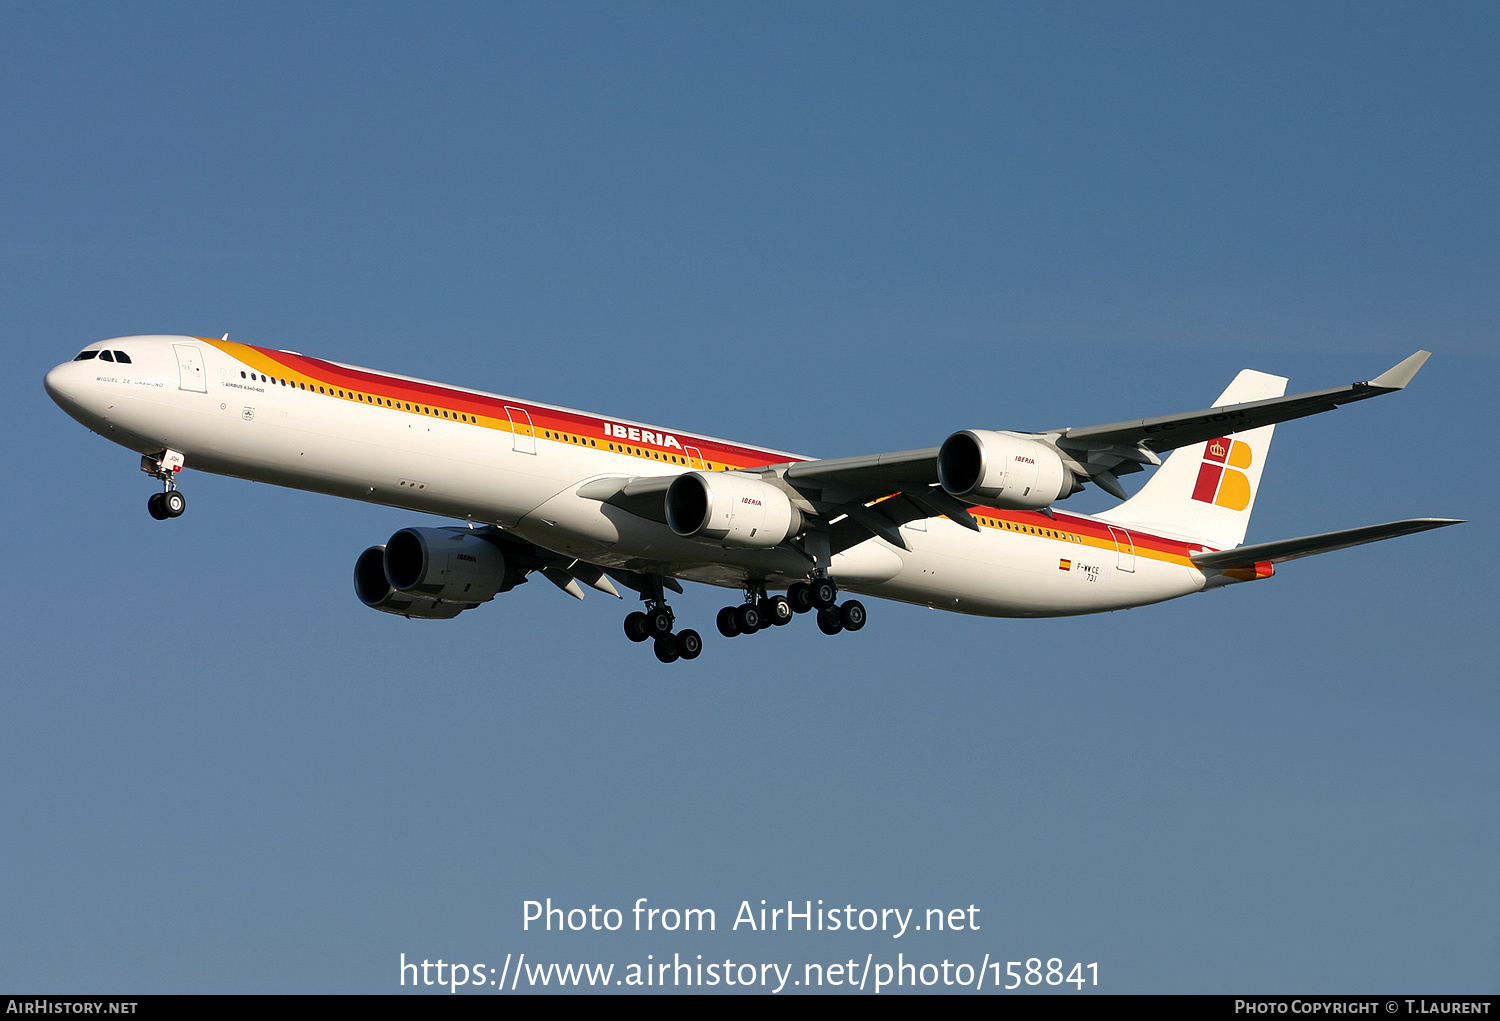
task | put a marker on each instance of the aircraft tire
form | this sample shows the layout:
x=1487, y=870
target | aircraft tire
x=666, y=649
x=174, y=503
x=829, y=622
x=778, y=611
x=729, y=626
x=852, y=615
x=155, y=509
x=689, y=644
x=749, y=619
x=635, y=626
x=659, y=623
x=800, y=596
x=825, y=593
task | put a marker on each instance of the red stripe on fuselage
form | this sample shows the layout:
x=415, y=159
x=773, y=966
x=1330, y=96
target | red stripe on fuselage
x=579, y=423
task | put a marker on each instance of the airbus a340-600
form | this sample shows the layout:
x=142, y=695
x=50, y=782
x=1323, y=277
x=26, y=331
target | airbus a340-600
x=582, y=499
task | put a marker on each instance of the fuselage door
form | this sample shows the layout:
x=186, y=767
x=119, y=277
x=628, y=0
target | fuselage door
x=695, y=457
x=190, y=368
x=522, y=430
x=1125, y=547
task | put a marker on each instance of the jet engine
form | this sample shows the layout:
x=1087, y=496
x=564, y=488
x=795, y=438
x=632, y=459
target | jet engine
x=431, y=573
x=731, y=510
x=1004, y=470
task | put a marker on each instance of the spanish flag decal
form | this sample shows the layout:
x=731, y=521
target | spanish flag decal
x=1065, y=565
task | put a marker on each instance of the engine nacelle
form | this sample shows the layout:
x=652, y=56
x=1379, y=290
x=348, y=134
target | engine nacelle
x=1003, y=469
x=732, y=510
x=376, y=593
x=432, y=573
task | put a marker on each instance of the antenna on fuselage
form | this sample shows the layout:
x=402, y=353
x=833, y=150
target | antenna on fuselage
x=225, y=337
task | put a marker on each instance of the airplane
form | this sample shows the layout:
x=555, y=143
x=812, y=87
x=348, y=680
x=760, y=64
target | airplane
x=588, y=500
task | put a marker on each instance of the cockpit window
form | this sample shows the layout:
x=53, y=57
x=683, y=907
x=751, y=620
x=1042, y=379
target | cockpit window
x=105, y=356
x=121, y=356
x=84, y=356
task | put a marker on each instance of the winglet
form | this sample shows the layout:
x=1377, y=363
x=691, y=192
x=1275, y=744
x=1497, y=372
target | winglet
x=1397, y=376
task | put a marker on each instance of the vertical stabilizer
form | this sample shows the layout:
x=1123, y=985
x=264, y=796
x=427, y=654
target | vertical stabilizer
x=1207, y=490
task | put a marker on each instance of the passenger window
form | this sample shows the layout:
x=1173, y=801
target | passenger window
x=121, y=356
x=105, y=356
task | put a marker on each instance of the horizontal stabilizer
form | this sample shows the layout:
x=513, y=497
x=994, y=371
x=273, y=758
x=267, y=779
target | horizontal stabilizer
x=1291, y=549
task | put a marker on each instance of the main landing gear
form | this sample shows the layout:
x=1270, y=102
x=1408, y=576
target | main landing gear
x=656, y=623
x=170, y=503
x=756, y=613
x=821, y=594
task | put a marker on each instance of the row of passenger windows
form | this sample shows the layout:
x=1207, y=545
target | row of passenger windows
x=619, y=448
x=655, y=454
x=456, y=415
x=1011, y=526
x=351, y=395
x=103, y=356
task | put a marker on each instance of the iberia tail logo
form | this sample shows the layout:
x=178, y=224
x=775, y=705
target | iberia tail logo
x=1218, y=481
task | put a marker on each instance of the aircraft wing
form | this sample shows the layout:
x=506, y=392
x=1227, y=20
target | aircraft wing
x=1097, y=454
x=1292, y=549
x=874, y=494
x=1168, y=432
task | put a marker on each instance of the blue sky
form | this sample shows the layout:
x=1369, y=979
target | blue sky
x=835, y=229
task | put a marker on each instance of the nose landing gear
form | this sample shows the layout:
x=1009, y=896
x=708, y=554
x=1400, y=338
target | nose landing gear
x=170, y=503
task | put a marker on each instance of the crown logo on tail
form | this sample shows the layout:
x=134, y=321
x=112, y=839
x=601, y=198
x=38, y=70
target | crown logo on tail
x=1219, y=480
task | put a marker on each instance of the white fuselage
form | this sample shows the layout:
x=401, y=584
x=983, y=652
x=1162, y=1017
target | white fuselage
x=285, y=419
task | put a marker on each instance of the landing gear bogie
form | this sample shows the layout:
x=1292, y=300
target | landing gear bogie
x=655, y=624
x=833, y=616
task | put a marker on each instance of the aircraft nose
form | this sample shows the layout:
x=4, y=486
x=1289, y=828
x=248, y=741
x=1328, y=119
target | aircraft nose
x=62, y=383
